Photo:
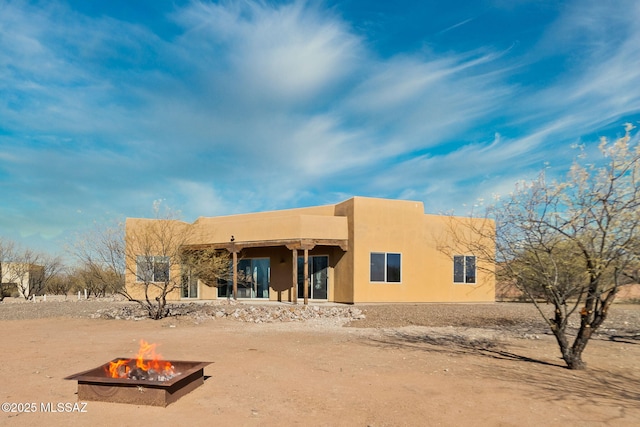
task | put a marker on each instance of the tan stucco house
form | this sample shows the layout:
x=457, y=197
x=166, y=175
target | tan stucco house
x=360, y=250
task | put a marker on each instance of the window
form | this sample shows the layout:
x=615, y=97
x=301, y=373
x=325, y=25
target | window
x=385, y=267
x=464, y=269
x=152, y=268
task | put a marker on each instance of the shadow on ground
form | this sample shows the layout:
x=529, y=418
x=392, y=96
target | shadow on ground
x=453, y=343
x=552, y=380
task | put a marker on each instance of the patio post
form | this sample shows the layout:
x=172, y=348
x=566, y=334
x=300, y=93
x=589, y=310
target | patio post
x=234, y=268
x=306, y=276
x=294, y=276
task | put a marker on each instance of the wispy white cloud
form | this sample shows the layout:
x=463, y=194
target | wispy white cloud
x=456, y=25
x=596, y=83
x=287, y=54
x=254, y=105
x=55, y=89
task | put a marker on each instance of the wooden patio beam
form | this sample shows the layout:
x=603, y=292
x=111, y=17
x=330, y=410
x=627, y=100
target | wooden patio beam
x=289, y=243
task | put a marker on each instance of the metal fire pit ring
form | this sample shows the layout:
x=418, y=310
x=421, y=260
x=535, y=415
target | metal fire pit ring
x=95, y=385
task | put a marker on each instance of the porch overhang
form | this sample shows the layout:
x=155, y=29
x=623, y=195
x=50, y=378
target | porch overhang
x=258, y=231
x=288, y=243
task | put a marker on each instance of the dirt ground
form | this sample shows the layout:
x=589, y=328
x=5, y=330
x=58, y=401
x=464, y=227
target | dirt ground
x=411, y=365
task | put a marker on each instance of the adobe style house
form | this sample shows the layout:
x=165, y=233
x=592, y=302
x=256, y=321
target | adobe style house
x=357, y=251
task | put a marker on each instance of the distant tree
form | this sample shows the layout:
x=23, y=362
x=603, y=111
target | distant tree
x=25, y=271
x=95, y=279
x=571, y=243
x=100, y=253
x=33, y=271
x=60, y=283
x=53, y=266
x=7, y=254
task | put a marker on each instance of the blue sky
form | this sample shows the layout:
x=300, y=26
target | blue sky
x=239, y=106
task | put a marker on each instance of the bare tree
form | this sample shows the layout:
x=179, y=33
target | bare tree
x=95, y=279
x=52, y=266
x=101, y=256
x=18, y=270
x=27, y=273
x=571, y=243
x=145, y=260
x=32, y=271
x=59, y=283
x=7, y=249
x=153, y=258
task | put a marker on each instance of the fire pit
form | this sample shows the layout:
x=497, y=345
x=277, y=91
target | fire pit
x=140, y=381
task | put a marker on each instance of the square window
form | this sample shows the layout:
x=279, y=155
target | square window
x=152, y=268
x=385, y=267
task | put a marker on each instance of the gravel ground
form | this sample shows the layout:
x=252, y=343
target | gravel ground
x=521, y=319
x=15, y=309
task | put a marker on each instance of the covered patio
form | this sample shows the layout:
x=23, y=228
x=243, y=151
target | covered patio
x=286, y=241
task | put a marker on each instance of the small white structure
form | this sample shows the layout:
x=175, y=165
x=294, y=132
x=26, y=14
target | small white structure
x=21, y=277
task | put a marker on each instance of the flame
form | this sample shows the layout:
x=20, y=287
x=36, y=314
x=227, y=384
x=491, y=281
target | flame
x=147, y=359
x=153, y=360
x=114, y=370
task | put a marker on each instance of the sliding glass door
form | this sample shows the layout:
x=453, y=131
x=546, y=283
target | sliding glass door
x=253, y=279
x=318, y=277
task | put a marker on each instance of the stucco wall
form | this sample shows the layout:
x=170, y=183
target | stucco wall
x=394, y=226
x=344, y=267
x=314, y=222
